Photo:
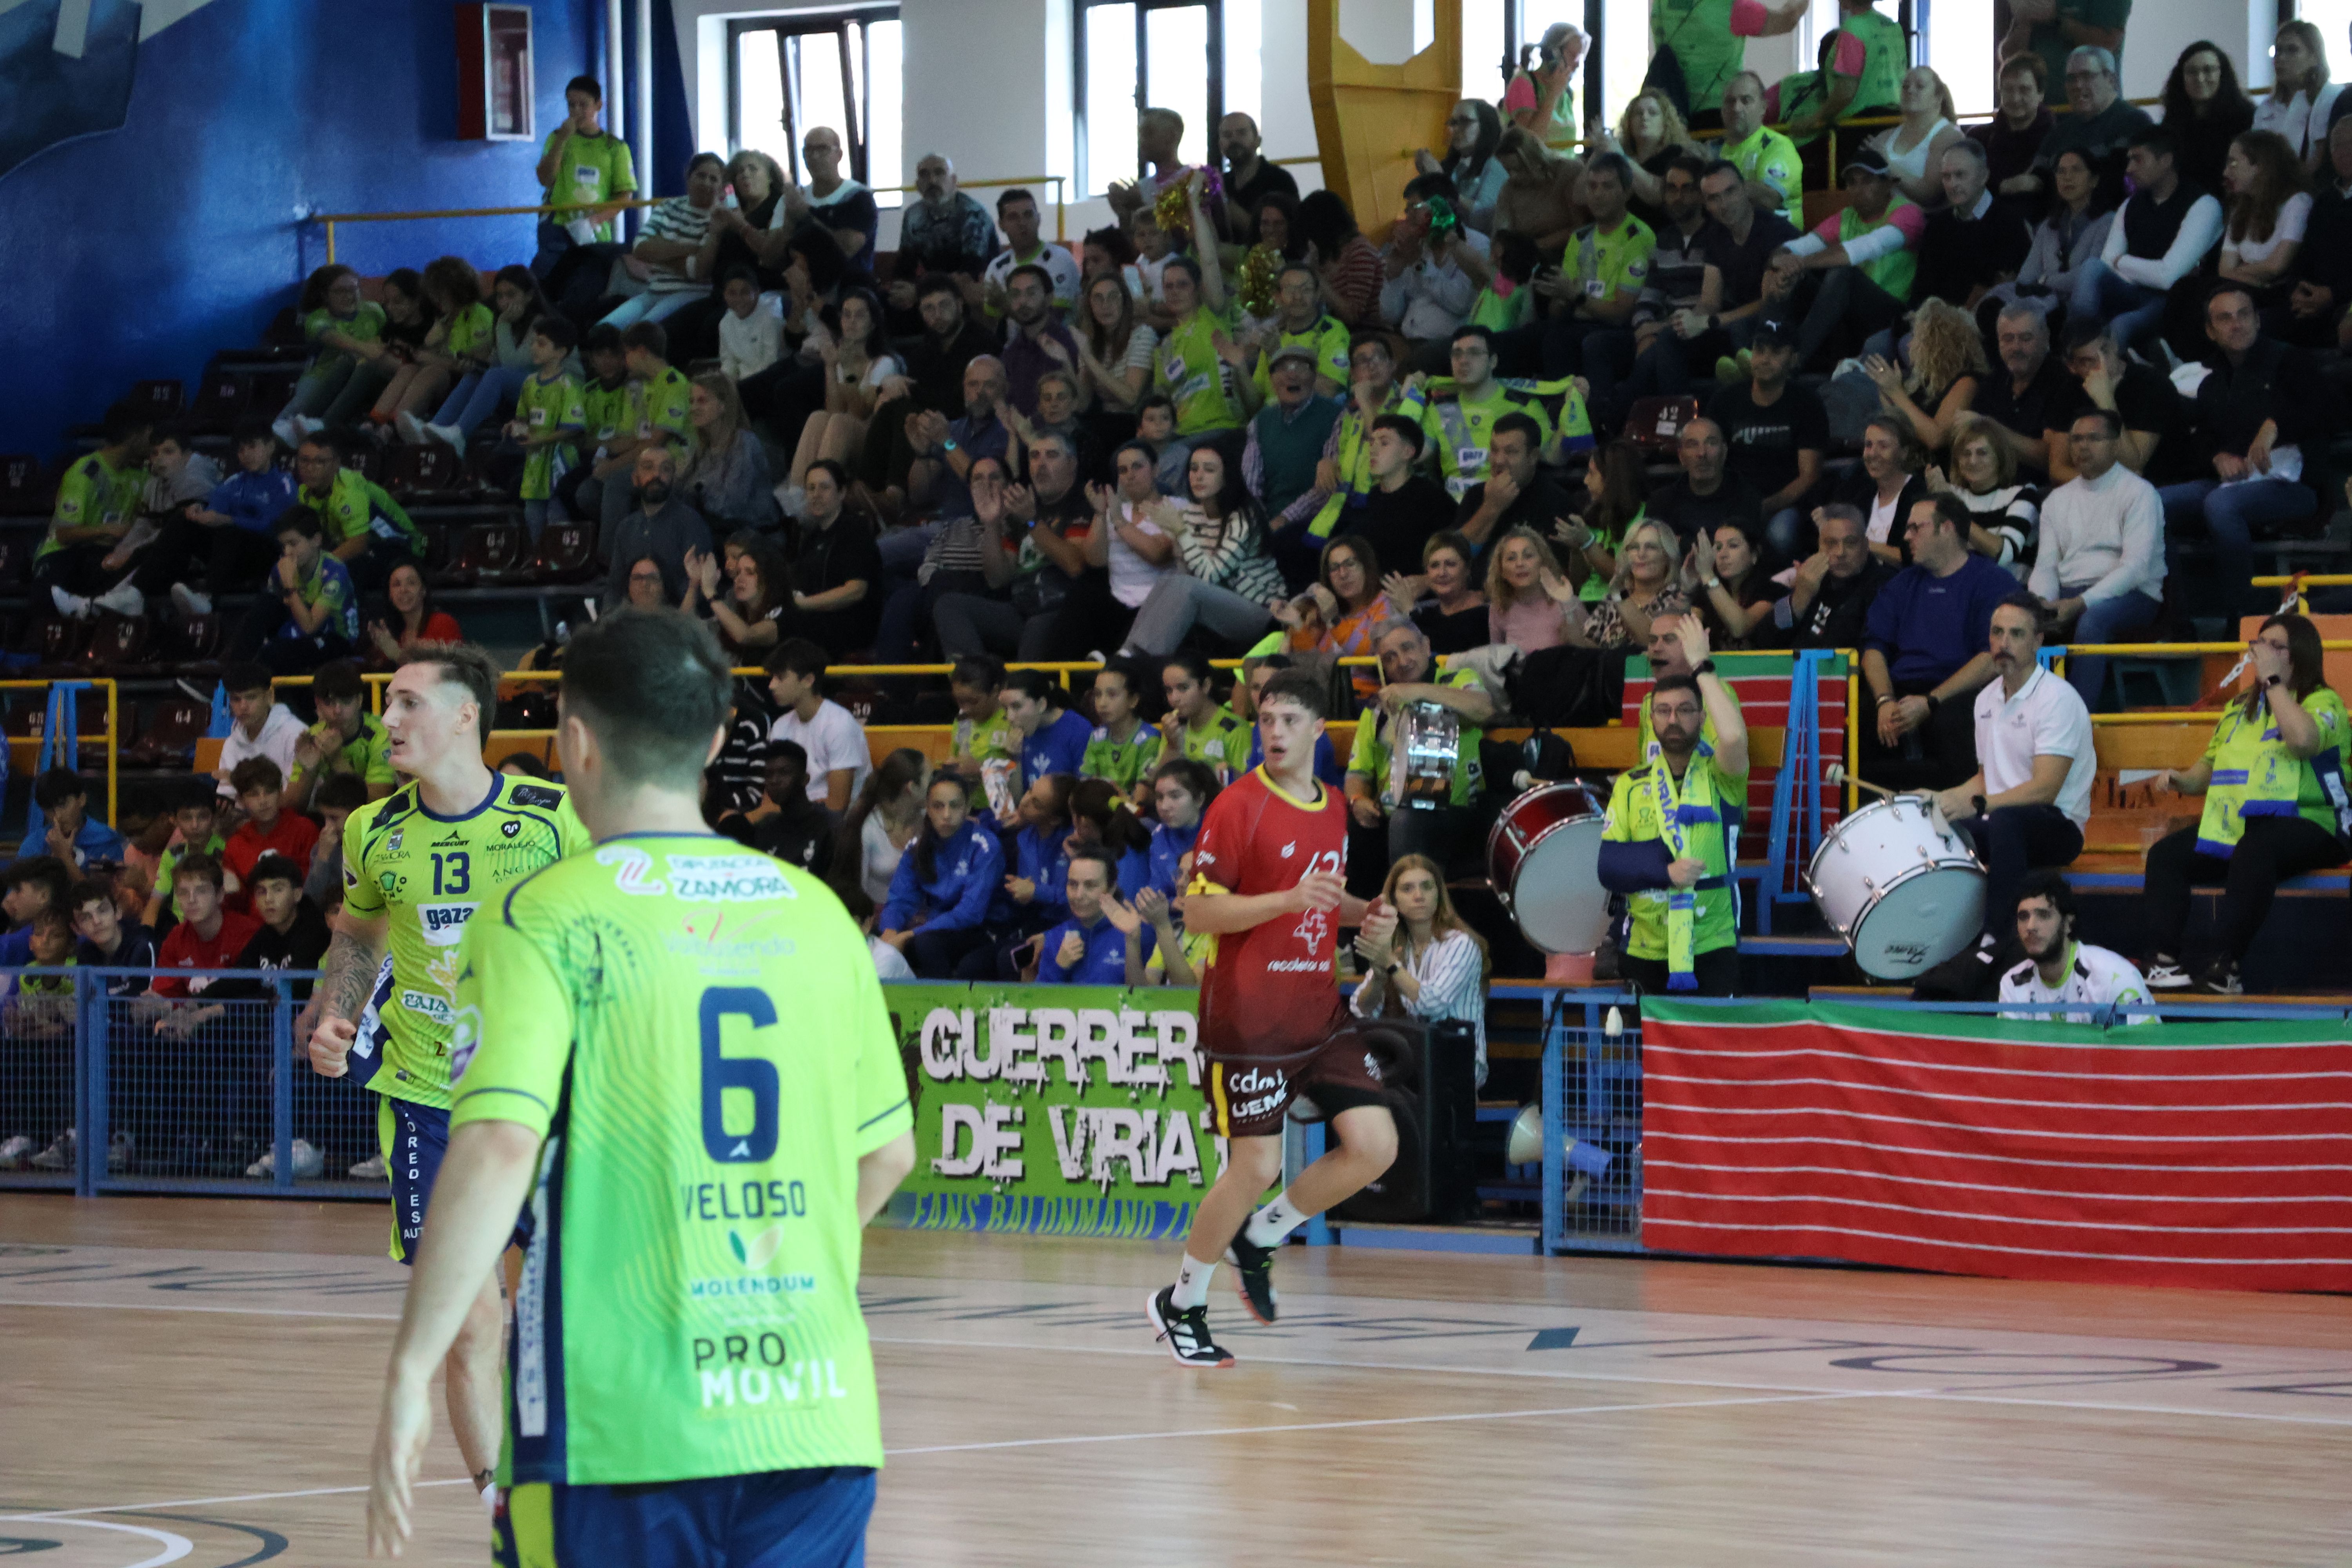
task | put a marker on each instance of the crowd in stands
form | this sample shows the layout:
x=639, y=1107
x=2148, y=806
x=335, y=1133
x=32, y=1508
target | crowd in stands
x=1604, y=391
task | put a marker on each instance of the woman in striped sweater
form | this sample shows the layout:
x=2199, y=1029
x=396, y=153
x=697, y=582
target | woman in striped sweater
x=1230, y=583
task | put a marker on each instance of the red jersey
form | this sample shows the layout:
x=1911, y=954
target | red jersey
x=1272, y=990
x=184, y=949
x=293, y=836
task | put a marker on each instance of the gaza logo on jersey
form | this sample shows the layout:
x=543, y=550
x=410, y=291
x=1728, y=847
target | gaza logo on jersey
x=444, y=924
x=757, y=1252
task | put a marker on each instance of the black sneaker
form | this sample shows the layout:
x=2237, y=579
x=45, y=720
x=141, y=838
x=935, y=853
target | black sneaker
x=1253, y=1275
x=1186, y=1331
x=2222, y=979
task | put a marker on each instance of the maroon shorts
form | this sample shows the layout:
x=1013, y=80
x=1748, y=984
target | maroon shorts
x=1252, y=1096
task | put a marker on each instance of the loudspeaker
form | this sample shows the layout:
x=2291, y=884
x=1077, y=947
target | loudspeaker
x=1436, y=1111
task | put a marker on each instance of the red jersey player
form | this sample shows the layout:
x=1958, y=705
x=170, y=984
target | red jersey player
x=1269, y=884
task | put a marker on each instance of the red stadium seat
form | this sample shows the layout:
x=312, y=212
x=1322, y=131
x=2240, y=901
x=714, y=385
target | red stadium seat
x=567, y=553
x=1654, y=423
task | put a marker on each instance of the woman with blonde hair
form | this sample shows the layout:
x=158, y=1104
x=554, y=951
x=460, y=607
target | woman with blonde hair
x=1538, y=198
x=1915, y=149
x=1948, y=364
x=725, y=477
x=1984, y=476
x=1421, y=961
x=1645, y=589
x=2266, y=194
x=1651, y=135
x=2301, y=102
x=1530, y=603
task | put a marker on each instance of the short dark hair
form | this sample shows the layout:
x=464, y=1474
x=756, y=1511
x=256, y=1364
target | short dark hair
x=2221, y=286
x=790, y=751
x=47, y=869
x=272, y=867
x=2047, y=882
x=525, y=762
x=1100, y=856
x=556, y=330
x=1034, y=684
x=1300, y=688
x=840, y=475
x=604, y=338
x=1031, y=269
x=1374, y=339
x=196, y=865
x=981, y=671
x=338, y=681
x=331, y=441
x=2156, y=138
x=654, y=687
x=339, y=792
x=82, y=893
x=1422, y=187
x=301, y=521
x=1690, y=163
x=123, y=421
x=1614, y=164
x=936, y=283
x=587, y=84
x=2025, y=599
x=1722, y=166
x=465, y=664
x=1409, y=429
x=246, y=676
x=252, y=428
x=197, y=794
x=1667, y=683
x=646, y=335
x=56, y=787
x=1472, y=329
x=2106, y=416
x=1016, y=194
x=1522, y=424
x=256, y=773
x=800, y=656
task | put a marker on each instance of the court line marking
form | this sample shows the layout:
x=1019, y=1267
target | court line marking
x=175, y=1546
x=67, y=1513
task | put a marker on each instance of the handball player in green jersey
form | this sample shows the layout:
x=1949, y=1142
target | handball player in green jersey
x=674, y=1051
x=417, y=866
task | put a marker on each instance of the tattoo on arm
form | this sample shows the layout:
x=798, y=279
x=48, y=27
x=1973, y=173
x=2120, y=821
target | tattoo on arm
x=352, y=963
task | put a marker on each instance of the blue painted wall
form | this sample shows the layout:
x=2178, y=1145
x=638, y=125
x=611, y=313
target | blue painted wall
x=137, y=252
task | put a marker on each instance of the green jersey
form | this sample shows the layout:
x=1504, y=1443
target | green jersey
x=365, y=325
x=355, y=504
x=1123, y=763
x=1327, y=337
x=595, y=169
x=658, y=404
x=1186, y=366
x=688, y=1307
x=547, y=408
x=1768, y=156
x=1461, y=429
x=366, y=756
x=1699, y=820
x=94, y=493
x=1223, y=742
x=606, y=410
x=429, y=874
x=470, y=332
x=1886, y=53
x=1603, y=265
x=1699, y=34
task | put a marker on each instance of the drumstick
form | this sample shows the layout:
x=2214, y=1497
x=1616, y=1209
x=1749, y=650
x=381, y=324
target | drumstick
x=1834, y=775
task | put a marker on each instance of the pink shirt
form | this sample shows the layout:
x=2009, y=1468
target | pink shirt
x=1529, y=625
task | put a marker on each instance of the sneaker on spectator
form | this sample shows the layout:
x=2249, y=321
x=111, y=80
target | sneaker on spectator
x=124, y=599
x=307, y=426
x=449, y=436
x=307, y=1160
x=190, y=602
x=264, y=1166
x=791, y=499
x=14, y=1151
x=58, y=1157
x=411, y=428
x=288, y=430
x=370, y=1169
x=2222, y=978
x=117, y=1151
x=72, y=604
x=2166, y=973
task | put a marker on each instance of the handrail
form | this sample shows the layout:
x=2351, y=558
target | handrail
x=114, y=719
x=544, y=209
x=2304, y=579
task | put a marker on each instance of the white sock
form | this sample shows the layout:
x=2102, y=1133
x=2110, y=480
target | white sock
x=490, y=1499
x=1192, y=1283
x=1271, y=1224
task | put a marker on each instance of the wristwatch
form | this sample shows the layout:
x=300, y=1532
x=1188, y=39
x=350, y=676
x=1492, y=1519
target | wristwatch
x=1704, y=666
x=1714, y=582
x=2274, y=680
x=947, y=444
x=1389, y=969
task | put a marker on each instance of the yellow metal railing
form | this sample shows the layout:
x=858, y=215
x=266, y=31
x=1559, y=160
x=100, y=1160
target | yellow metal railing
x=2304, y=580
x=328, y=221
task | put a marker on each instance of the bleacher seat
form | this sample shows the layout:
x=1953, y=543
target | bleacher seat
x=486, y=552
x=26, y=488
x=170, y=734
x=422, y=470
x=121, y=647
x=567, y=553
x=221, y=401
x=1654, y=424
x=16, y=547
x=57, y=641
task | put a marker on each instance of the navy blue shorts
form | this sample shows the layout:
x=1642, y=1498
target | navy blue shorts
x=413, y=1139
x=779, y=1519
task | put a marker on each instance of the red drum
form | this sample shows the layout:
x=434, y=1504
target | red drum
x=1544, y=858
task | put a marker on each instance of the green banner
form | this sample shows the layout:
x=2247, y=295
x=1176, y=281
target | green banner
x=1059, y=1109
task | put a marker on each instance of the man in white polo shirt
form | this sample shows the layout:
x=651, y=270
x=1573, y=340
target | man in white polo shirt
x=2031, y=796
x=838, y=760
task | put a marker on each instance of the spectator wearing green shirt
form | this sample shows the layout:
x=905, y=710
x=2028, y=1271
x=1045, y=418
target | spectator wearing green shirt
x=347, y=739
x=317, y=613
x=1851, y=275
x=1410, y=677
x=347, y=331
x=96, y=502
x=1601, y=277
x=1697, y=46
x=656, y=415
x=581, y=162
x=196, y=821
x=364, y=527
x=1767, y=160
x=462, y=339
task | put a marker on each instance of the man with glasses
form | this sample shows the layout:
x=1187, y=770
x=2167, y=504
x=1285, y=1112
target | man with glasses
x=2100, y=126
x=1739, y=245
x=844, y=205
x=2141, y=396
x=1926, y=652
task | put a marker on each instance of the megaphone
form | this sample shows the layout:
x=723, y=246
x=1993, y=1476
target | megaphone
x=1525, y=1145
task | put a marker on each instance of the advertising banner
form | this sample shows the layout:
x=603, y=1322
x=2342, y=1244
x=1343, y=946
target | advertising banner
x=2217, y=1154
x=1058, y=1109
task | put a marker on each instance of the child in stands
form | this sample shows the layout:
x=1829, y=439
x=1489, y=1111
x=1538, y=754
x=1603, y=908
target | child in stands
x=316, y=616
x=268, y=829
x=751, y=332
x=460, y=340
x=196, y=821
x=338, y=795
x=604, y=399
x=550, y=414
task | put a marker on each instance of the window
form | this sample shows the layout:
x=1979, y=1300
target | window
x=787, y=75
x=1133, y=54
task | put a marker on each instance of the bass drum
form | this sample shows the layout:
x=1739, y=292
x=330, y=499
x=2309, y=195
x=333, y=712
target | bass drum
x=1543, y=859
x=1901, y=885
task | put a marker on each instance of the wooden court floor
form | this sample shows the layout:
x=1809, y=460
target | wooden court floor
x=195, y=1382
